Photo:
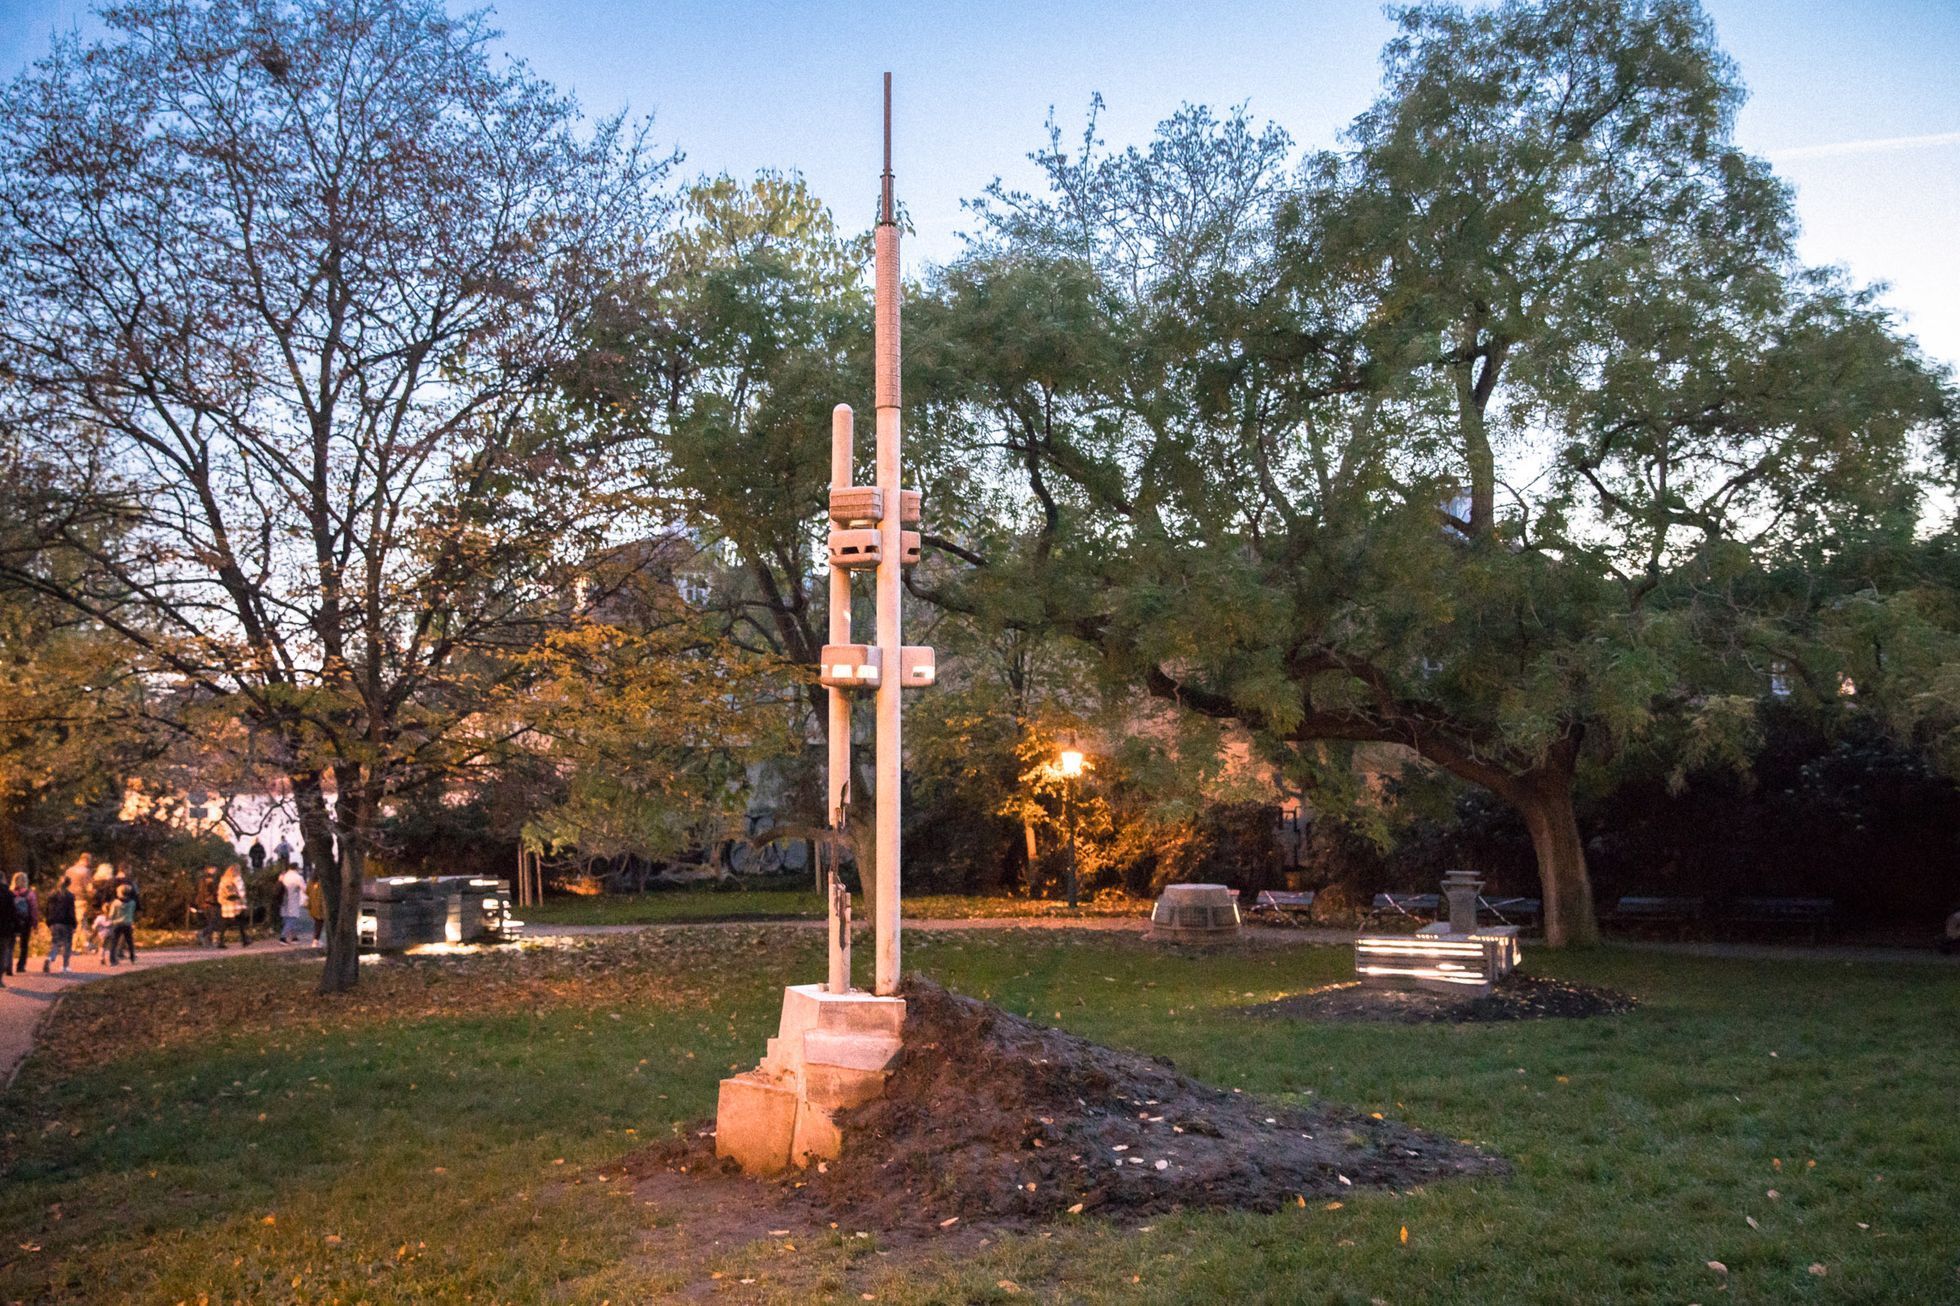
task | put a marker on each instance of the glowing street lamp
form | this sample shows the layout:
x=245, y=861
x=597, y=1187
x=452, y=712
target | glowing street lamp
x=1071, y=768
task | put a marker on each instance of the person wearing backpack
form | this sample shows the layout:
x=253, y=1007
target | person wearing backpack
x=27, y=913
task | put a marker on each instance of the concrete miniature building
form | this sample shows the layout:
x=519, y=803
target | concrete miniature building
x=1195, y=913
x=1456, y=955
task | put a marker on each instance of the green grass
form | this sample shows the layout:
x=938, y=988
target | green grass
x=1642, y=1144
x=679, y=906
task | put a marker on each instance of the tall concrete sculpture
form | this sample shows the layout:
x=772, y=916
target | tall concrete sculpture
x=835, y=1044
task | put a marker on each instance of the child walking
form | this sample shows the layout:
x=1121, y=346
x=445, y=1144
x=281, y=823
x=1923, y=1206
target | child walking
x=104, y=929
x=122, y=925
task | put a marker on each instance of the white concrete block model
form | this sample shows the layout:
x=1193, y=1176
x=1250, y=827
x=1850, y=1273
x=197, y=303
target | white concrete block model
x=1452, y=956
x=835, y=1045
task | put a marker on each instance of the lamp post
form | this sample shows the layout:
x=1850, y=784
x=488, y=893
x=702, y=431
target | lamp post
x=1071, y=767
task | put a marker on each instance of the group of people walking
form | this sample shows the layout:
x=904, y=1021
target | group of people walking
x=100, y=894
x=104, y=899
x=224, y=904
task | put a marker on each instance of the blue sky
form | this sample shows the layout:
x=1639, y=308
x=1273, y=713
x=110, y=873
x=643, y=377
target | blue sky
x=1857, y=104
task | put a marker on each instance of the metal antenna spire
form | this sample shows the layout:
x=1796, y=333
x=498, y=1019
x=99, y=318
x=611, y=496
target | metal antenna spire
x=885, y=196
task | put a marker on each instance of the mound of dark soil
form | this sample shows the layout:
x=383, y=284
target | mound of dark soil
x=1517, y=997
x=991, y=1116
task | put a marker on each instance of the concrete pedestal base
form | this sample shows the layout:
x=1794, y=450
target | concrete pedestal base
x=831, y=1051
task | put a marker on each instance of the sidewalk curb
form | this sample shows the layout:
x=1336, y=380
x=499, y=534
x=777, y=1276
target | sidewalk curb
x=33, y=1041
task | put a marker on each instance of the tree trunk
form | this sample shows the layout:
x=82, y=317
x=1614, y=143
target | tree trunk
x=1545, y=801
x=343, y=882
x=13, y=846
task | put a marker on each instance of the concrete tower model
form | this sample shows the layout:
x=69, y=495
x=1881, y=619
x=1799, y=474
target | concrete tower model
x=835, y=1045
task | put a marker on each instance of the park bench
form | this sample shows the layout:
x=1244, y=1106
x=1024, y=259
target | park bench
x=1815, y=915
x=1279, y=902
x=1514, y=911
x=1411, y=906
x=1658, y=911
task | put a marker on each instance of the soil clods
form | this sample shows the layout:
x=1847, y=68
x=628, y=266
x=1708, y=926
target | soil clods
x=990, y=1117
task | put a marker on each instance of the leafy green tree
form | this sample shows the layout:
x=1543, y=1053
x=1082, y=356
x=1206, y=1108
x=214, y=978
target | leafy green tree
x=287, y=289
x=1475, y=438
x=725, y=364
x=653, y=728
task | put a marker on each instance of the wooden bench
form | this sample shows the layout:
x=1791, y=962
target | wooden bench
x=1279, y=902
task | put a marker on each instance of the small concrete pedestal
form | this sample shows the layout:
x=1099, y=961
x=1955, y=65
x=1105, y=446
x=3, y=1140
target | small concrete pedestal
x=831, y=1051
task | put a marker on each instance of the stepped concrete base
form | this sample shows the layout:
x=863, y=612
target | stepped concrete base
x=832, y=1051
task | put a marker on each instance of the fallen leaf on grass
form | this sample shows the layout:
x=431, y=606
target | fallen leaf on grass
x=949, y=1222
x=1718, y=1267
x=1405, y=1235
x=1331, y=1206
x=270, y=1219
x=1818, y=1268
x=1076, y=1209
x=1750, y=1220
x=1008, y=1285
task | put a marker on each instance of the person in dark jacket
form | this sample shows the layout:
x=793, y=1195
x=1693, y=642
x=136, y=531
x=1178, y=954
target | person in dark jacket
x=59, y=912
x=9, y=927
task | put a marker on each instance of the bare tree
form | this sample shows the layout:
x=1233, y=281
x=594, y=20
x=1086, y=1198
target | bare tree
x=286, y=288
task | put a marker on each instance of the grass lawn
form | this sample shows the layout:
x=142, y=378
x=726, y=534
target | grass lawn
x=672, y=906
x=213, y=1133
